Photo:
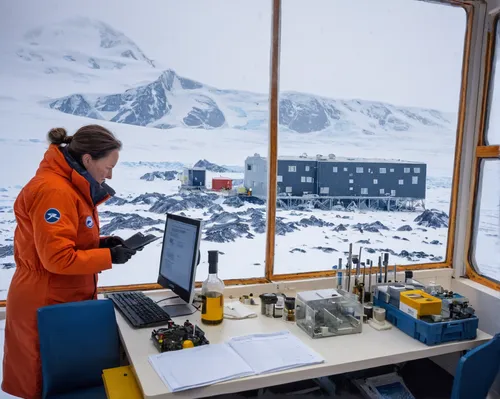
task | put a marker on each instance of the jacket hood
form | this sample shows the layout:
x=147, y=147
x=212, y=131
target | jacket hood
x=58, y=160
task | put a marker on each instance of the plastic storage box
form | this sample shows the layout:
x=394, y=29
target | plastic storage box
x=328, y=312
x=430, y=333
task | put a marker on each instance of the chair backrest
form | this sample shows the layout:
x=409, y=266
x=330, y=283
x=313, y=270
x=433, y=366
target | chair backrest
x=77, y=341
x=477, y=370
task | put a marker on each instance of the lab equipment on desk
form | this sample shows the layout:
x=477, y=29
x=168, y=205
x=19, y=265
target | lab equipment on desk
x=328, y=312
x=247, y=299
x=378, y=321
x=267, y=302
x=289, y=310
x=431, y=319
x=278, y=307
x=176, y=337
x=212, y=293
x=418, y=303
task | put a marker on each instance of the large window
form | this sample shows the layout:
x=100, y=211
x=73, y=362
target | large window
x=485, y=260
x=379, y=90
x=487, y=234
x=184, y=85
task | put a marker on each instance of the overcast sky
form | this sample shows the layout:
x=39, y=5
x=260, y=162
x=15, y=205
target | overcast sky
x=405, y=52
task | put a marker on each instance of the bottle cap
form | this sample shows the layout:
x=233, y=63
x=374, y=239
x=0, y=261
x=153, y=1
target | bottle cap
x=213, y=258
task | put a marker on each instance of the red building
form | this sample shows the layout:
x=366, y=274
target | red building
x=222, y=183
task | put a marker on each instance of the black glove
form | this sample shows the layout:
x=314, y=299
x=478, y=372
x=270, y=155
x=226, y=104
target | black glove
x=120, y=255
x=110, y=242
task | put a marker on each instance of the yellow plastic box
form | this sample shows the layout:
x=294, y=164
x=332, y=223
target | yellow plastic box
x=418, y=303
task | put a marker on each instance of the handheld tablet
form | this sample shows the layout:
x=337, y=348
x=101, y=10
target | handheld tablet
x=139, y=241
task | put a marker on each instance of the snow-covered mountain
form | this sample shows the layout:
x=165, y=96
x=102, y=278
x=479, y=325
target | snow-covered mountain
x=175, y=101
x=81, y=40
x=75, y=54
x=85, y=67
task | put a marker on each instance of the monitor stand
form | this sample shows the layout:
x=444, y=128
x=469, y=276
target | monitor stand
x=177, y=307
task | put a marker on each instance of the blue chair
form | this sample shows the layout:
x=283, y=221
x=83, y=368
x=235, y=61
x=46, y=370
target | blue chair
x=78, y=340
x=477, y=370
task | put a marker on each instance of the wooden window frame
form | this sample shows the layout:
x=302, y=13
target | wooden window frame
x=269, y=276
x=468, y=6
x=484, y=151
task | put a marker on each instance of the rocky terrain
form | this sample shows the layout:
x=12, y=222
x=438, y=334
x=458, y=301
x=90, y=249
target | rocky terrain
x=224, y=226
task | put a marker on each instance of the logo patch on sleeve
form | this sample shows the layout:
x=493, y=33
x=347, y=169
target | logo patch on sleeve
x=52, y=215
x=89, y=222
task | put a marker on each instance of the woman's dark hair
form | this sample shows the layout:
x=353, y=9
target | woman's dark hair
x=95, y=140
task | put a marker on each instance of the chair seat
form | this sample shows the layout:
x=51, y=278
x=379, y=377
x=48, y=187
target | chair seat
x=88, y=393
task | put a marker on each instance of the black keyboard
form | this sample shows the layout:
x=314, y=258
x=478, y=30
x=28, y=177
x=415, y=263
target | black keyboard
x=140, y=310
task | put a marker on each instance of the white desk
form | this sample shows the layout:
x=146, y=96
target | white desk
x=342, y=354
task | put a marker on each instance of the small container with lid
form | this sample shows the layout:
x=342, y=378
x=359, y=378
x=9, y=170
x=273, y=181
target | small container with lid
x=289, y=310
x=278, y=307
x=267, y=302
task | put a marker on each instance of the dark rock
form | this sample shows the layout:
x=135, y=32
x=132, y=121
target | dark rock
x=228, y=232
x=6, y=250
x=340, y=227
x=167, y=175
x=116, y=201
x=435, y=242
x=405, y=228
x=224, y=217
x=189, y=201
x=251, y=200
x=109, y=214
x=235, y=202
x=303, y=251
x=283, y=228
x=215, y=208
x=313, y=221
x=432, y=218
x=206, y=115
x=370, y=227
x=134, y=222
x=7, y=266
x=326, y=249
x=148, y=198
x=363, y=242
x=203, y=163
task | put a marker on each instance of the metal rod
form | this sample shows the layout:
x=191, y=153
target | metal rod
x=349, y=267
x=370, y=280
x=339, y=274
x=379, y=269
x=358, y=269
x=395, y=271
x=364, y=273
x=386, y=265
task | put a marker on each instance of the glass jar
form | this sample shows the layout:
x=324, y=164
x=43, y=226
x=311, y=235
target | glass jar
x=267, y=302
x=289, y=311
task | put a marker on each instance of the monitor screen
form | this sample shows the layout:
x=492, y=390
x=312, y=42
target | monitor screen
x=180, y=249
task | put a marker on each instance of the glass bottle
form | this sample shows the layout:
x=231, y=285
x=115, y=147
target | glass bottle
x=212, y=293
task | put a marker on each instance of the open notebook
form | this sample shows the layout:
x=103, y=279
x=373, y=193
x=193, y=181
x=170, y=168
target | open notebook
x=238, y=357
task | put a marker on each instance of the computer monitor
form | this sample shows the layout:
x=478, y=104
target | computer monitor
x=179, y=260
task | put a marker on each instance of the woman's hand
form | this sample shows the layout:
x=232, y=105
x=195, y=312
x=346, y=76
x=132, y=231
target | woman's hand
x=111, y=242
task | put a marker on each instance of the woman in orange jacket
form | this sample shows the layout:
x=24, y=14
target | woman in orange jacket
x=57, y=247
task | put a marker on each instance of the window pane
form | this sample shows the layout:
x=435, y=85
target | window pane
x=182, y=84
x=486, y=245
x=493, y=128
x=377, y=106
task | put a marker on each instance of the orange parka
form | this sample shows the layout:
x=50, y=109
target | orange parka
x=57, y=255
